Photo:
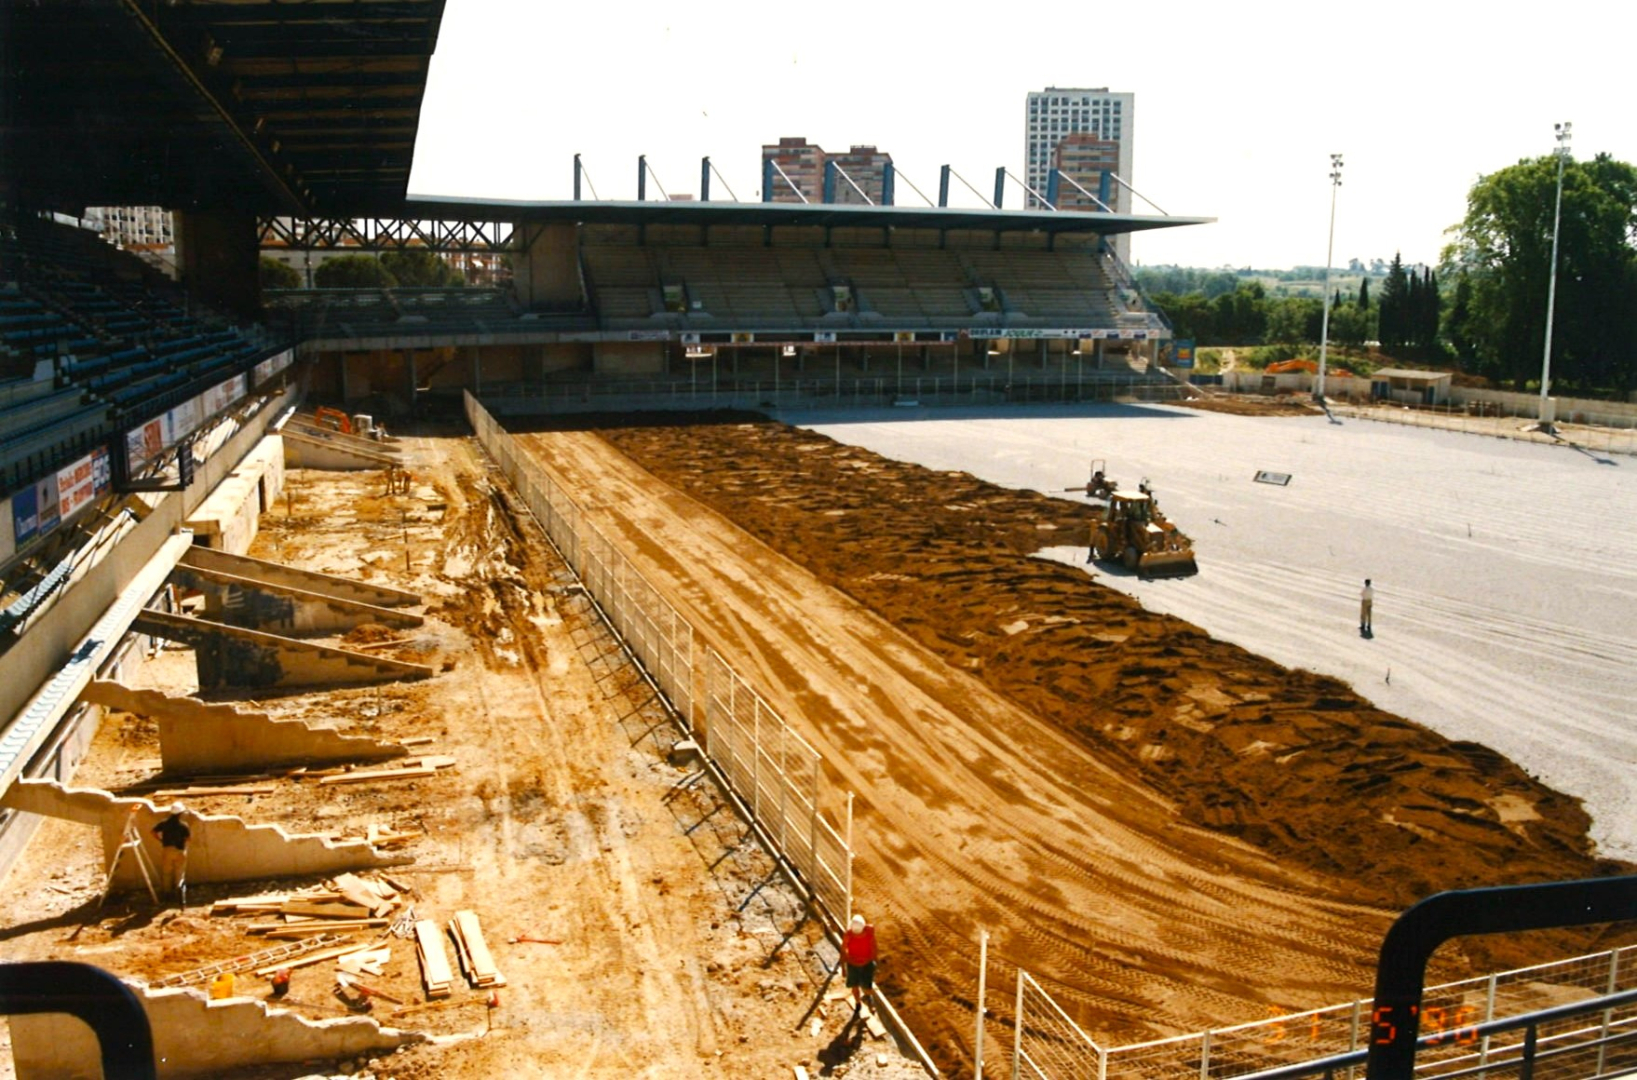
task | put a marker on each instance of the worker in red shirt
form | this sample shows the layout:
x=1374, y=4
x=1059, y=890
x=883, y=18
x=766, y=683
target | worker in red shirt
x=858, y=953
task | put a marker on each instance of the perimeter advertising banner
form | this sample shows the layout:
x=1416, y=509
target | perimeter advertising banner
x=143, y=444
x=80, y=483
x=1104, y=334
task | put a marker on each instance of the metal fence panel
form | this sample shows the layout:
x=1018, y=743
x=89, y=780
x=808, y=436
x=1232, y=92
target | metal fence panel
x=777, y=776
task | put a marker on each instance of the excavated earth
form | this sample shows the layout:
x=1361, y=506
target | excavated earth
x=1169, y=831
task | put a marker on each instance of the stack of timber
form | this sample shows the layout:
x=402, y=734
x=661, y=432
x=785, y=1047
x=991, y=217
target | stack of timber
x=435, y=971
x=347, y=903
x=426, y=765
x=475, y=958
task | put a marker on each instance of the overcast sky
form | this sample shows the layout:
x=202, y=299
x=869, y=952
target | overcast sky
x=1238, y=105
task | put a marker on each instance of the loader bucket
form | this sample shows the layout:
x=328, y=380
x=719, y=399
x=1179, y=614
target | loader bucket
x=1167, y=564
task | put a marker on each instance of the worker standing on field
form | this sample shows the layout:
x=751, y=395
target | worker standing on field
x=858, y=953
x=1366, y=600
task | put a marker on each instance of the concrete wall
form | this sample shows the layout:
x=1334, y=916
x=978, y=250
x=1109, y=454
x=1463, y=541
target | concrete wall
x=307, y=580
x=628, y=357
x=222, y=848
x=49, y=640
x=547, y=274
x=229, y=518
x=196, y=1037
x=262, y=605
x=303, y=451
x=219, y=253
x=199, y=738
x=234, y=657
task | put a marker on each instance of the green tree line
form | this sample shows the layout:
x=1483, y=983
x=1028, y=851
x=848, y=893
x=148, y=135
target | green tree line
x=1484, y=308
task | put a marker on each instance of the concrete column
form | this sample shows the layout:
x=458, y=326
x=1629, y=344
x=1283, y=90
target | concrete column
x=547, y=273
x=218, y=256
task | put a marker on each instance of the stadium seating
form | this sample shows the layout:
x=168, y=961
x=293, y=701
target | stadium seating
x=89, y=338
x=757, y=287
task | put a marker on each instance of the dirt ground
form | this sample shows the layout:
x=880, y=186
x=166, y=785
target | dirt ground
x=1171, y=832
x=677, y=950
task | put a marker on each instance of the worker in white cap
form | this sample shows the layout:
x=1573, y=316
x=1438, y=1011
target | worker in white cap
x=858, y=953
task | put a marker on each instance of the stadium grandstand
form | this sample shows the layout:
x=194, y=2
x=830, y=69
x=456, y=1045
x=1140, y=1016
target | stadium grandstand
x=131, y=401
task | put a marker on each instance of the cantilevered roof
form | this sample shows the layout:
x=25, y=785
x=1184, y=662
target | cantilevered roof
x=839, y=215
x=290, y=107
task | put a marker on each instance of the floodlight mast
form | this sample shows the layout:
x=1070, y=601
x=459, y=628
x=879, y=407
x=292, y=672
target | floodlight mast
x=1547, y=417
x=1329, y=257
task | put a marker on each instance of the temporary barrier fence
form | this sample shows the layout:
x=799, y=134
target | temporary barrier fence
x=777, y=777
x=1051, y=1046
x=781, y=777
x=989, y=388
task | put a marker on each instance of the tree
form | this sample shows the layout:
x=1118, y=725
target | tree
x=353, y=272
x=1363, y=293
x=277, y=275
x=1503, y=248
x=1458, y=324
x=419, y=267
x=1294, y=320
x=1395, y=302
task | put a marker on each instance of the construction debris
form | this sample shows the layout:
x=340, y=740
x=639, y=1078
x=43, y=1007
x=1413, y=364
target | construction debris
x=249, y=963
x=412, y=767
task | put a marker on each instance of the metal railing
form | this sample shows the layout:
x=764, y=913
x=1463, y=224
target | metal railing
x=1035, y=387
x=1470, y=1025
x=777, y=778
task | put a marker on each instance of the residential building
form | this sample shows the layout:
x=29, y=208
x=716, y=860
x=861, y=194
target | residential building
x=1055, y=113
x=804, y=164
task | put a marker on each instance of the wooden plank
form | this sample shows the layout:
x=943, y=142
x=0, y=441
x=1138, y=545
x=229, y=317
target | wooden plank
x=480, y=968
x=322, y=926
x=201, y=792
x=327, y=909
x=362, y=776
x=876, y=1028
x=435, y=971
x=314, y=958
x=362, y=893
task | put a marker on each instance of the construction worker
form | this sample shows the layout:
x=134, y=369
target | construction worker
x=173, y=835
x=858, y=953
x=1366, y=600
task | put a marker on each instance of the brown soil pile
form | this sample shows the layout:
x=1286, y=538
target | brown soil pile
x=1248, y=405
x=1293, y=762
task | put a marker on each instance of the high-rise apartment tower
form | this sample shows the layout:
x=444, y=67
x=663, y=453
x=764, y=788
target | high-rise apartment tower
x=1095, y=117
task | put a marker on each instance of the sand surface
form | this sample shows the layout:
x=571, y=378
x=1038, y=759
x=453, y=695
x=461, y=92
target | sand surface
x=1505, y=573
x=1169, y=829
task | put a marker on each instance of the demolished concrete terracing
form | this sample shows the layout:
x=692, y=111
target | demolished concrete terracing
x=234, y=657
x=195, y=1036
x=221, y=847
x=197, y=737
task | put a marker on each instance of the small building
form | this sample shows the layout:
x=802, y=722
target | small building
x=1411, y=387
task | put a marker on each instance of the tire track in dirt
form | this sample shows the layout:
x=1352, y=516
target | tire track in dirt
x=937, y=758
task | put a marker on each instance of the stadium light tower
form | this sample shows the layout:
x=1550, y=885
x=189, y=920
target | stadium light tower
x=1329, y=253
x=1546, y=417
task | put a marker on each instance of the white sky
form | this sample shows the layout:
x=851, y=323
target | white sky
x=1238, y=106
